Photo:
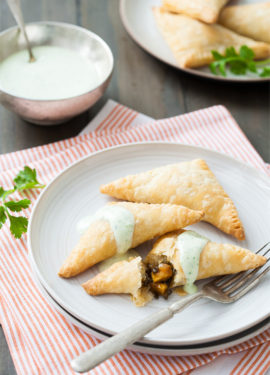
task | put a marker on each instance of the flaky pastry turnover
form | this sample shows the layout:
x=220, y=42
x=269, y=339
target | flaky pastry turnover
x=150, y=220
x=164, y=269
x=192, y=41
x=251, y=20
x=191, y=184
x=204, y=10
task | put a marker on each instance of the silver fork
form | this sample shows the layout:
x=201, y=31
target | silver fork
x=225, y=289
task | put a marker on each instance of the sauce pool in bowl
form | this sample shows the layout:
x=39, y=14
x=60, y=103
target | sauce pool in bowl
x=57, y=73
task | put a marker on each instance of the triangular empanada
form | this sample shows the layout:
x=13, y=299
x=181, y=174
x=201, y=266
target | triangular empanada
x=251, y=20
x=191, y=184
x=122, y=277
x=215, y=259
x=151, y=220
x=162, y=271
x=204, y=10
x=192, y=41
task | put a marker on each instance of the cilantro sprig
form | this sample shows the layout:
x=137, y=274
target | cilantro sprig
x=239, y=63
x=25, y=180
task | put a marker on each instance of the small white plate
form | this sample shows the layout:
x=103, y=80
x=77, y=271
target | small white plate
x=75, y=193
x=158, y=349
x=138, y=19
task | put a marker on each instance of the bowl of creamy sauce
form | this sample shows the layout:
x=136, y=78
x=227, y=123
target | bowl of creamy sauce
x=72, y=70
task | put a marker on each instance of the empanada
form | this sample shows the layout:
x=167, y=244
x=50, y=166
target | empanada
x=164, y=269
x=204, y=10
x=192, y=41
x=191, y=184
x=204, y=259
x=100, y=242
x=122, y=277
x=251, y=20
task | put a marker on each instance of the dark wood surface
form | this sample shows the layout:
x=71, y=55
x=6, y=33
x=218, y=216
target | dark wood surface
x=139, y=81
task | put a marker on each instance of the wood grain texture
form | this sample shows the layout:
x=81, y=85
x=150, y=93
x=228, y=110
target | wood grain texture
x=139, y=81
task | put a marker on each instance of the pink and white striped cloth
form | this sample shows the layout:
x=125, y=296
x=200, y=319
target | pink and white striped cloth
x=40, y=340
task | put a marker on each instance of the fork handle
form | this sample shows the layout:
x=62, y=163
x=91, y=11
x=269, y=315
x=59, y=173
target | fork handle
x=93, y=357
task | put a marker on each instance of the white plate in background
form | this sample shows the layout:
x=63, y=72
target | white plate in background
x=138, y=20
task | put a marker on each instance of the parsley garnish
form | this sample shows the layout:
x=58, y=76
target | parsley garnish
x=25, y=180
x=239, y=63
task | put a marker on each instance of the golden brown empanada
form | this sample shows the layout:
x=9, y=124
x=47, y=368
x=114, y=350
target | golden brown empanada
x=204, y=10
x=215, y=259
x=191, y=184
x=192, y=41
x=251, y=20
x=162, y=269
x=122, y=277
x=151, y=220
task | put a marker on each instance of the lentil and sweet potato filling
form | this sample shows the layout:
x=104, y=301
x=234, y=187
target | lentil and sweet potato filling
x=159, y=276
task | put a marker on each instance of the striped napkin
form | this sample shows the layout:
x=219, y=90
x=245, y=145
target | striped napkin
x=40, y=340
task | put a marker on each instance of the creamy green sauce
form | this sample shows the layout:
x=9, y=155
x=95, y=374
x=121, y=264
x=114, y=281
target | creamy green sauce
x=57, y=73
x=121, y=221
x=116, y=258
x=190, y=245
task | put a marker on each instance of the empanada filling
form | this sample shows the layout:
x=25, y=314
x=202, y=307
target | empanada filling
x=159, y=277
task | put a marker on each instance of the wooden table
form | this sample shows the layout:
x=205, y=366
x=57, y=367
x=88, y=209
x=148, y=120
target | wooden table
x=139, y=81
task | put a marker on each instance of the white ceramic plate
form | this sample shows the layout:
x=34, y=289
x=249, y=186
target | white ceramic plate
x=75, y=193
x=158, y=349
x=137, y=17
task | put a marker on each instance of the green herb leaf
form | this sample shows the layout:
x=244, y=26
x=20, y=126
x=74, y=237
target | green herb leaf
x=238, y=64
x=5, y=193
x=246, y=53
x=213, y=67
x=222, y=68
x=17, y=206
x=3, y=216
x=265, y=72
x=2, y=191
x=252, y=67
x=18, y=225
x=238, y=67
x=27, y=179
x=230, y=52
x=217, y=56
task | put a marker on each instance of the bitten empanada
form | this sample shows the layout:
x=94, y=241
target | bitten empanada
x=191, y=184
x=150, y=220
x=251, y=20
x=122, y=277
x=214, y=259
x=162, y=269
x=204, y=10
x=192, y=41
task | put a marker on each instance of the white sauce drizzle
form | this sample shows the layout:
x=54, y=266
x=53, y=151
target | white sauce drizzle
x=190, y=245
x=121, y=221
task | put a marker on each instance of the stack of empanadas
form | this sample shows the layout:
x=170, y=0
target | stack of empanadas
x=162, y=202
x=190, y=29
